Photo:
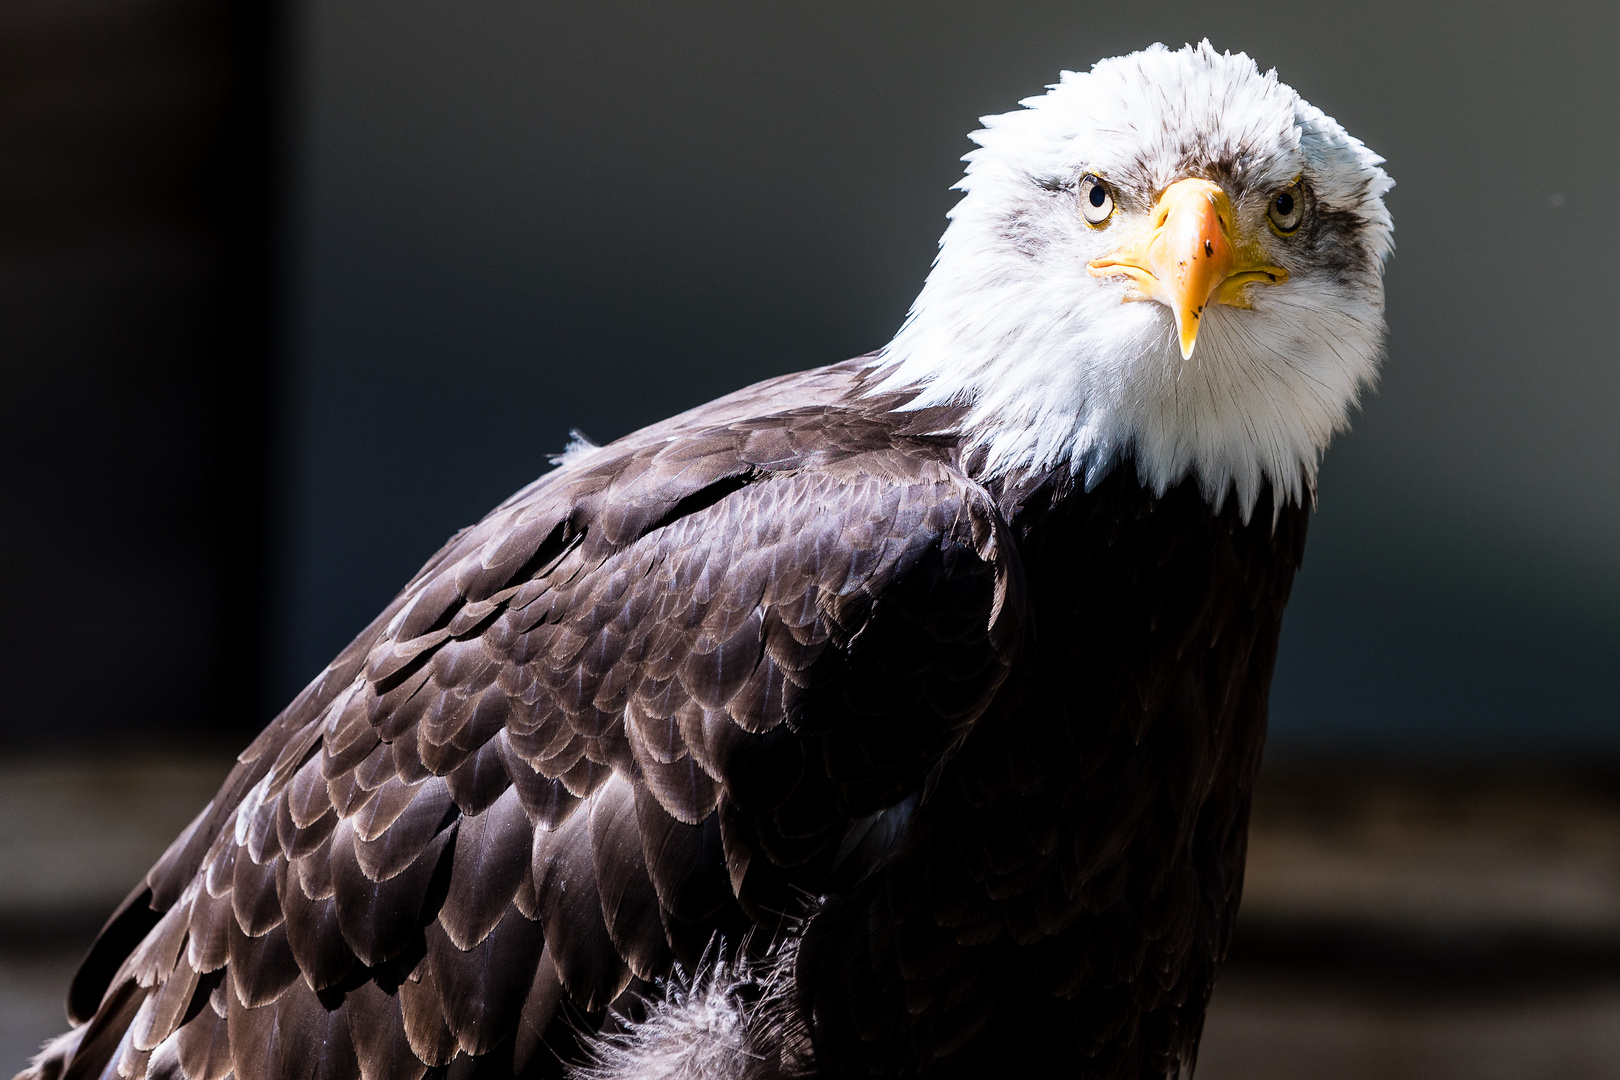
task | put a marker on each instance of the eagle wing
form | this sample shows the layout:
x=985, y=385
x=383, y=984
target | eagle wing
x=661, y=693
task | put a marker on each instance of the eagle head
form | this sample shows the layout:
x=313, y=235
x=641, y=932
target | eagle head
x=1171, y=259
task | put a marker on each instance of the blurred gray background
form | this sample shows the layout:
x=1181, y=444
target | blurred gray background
x=515, y=218
x=292, y=293
x=289, y=292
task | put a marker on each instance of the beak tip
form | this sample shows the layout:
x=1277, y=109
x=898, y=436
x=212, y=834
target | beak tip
x=1187, y=340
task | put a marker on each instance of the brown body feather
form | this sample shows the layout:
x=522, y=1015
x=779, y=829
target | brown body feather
x=781, y=661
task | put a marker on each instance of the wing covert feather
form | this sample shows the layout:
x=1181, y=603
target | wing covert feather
x=644, y=701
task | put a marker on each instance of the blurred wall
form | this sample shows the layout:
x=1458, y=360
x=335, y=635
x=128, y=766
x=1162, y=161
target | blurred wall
x=519, y=217
x=511, y=218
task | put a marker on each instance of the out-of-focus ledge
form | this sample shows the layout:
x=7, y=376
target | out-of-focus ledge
x=1487, y=851
x=1337, y=851
x=76, y=835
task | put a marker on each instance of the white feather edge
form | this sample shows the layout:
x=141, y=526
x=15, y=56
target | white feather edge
x=580, y=446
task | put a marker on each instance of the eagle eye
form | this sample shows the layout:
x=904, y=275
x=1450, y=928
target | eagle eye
x=1096, y=201
x=1286, y=210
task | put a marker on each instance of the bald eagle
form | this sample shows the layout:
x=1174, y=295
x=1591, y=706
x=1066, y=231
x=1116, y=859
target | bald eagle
x=898, y=717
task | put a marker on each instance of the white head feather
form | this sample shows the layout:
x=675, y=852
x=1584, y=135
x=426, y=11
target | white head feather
x=1056, y=369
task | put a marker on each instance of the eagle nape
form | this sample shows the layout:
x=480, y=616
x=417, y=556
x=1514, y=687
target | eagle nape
x=895, y=718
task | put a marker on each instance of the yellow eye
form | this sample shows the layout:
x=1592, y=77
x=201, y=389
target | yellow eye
x=1286, y=210
x=1096, y=201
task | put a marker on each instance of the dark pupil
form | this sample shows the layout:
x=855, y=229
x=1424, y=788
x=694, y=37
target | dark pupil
x=1097, y=196
x=1285, y=204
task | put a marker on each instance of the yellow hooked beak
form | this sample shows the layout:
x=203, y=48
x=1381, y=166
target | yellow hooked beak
x=1190, y=257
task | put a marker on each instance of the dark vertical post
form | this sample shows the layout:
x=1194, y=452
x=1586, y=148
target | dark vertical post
x=249, y=201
